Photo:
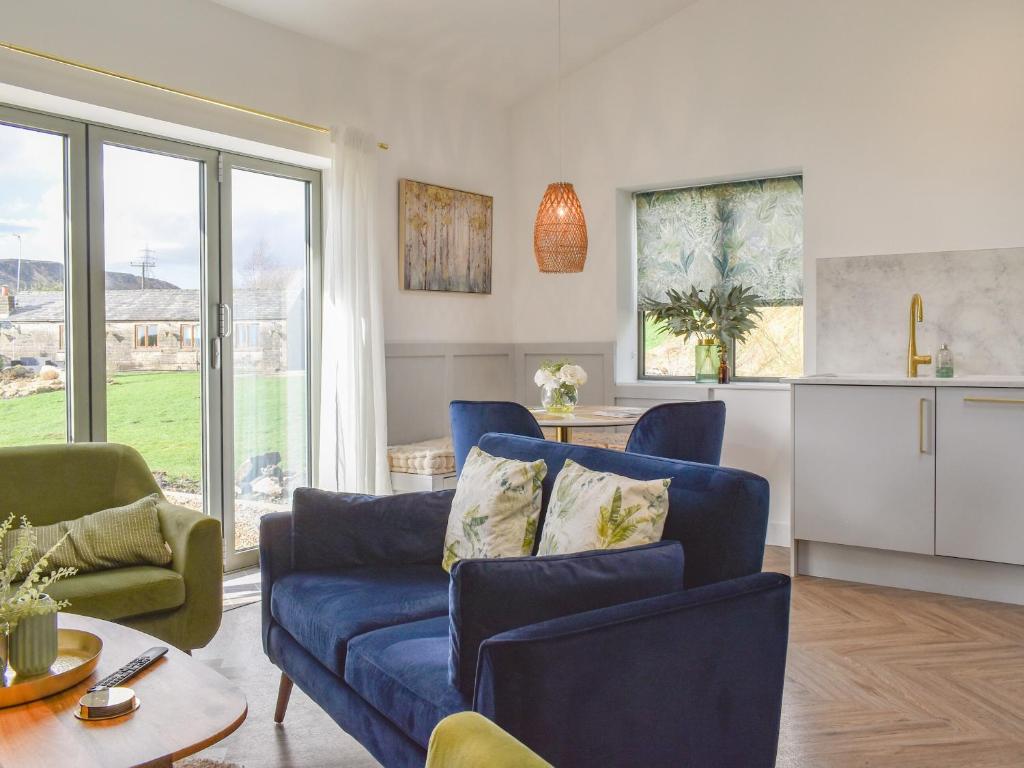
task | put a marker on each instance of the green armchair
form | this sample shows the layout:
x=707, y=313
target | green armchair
x=182, y=603
x=470, y=740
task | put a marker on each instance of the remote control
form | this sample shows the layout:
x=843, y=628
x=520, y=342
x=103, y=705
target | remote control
x=130, y=670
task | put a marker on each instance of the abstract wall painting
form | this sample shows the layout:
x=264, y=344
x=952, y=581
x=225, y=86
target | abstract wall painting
x=444, y=238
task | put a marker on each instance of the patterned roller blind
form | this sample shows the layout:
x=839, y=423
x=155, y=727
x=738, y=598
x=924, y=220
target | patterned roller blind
x=749, y=232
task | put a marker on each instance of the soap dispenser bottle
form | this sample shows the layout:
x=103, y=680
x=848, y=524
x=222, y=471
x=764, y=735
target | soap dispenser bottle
x=944, y=363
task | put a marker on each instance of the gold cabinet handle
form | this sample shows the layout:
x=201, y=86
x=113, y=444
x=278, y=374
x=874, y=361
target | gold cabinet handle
x=920, y=425
x=996, y=400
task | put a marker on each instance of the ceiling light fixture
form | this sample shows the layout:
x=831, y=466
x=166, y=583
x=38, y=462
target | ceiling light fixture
x=560, y=230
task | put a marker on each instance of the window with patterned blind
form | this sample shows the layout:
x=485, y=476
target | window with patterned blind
x=749, y=233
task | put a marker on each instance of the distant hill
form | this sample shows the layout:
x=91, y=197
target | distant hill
x=49, y=276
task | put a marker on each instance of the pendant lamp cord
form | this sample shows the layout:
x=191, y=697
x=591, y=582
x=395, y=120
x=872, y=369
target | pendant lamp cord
x=561, y=174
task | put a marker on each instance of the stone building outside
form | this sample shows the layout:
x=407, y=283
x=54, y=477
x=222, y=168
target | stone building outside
x=157, y=330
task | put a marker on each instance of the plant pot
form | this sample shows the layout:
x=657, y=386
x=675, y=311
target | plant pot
x=559, y=398
x=706, y=361
x=32, y=645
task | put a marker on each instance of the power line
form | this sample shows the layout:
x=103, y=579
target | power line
x=147, y=263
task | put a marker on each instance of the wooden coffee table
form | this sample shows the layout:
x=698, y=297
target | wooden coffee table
x=185, y=707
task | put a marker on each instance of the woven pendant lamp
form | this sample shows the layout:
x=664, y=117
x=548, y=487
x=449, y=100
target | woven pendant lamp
x=560, y=229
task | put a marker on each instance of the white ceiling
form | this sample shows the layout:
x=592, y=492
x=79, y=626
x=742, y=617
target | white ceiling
x=503, y=47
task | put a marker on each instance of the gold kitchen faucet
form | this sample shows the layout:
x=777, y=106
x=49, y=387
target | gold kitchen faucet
x=916, y=316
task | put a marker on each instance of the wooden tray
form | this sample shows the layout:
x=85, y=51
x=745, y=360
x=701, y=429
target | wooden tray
x=78, y=653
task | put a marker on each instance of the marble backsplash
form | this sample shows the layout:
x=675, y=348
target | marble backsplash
x=972, y=302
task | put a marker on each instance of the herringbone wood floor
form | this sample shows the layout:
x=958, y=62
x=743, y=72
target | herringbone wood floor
x=876, y=677
x=888, y=677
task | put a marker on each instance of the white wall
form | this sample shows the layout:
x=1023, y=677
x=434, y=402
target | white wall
x=905, y=118
x=435, y=134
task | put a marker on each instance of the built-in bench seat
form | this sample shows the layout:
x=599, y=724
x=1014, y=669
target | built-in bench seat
x=428, y=465
x=428, y=457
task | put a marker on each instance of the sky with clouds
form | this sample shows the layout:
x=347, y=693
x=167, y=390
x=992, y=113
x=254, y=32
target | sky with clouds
x=150, y=201
x=31, y=194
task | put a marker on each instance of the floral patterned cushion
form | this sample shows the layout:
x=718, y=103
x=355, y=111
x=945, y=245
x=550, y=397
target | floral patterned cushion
x=495, y=509
x=600, y=510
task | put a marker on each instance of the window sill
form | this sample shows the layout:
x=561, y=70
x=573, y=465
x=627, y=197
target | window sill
x=644, y=387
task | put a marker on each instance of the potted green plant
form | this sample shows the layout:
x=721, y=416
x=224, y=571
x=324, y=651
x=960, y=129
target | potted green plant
x=28, y=615
x=716, y=317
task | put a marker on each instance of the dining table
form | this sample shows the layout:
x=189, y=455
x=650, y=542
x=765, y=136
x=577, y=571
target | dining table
x=587, y=416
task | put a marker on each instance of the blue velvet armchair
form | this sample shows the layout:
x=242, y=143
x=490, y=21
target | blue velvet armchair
x=356, y=613
x=470, y=420
x=683, y=431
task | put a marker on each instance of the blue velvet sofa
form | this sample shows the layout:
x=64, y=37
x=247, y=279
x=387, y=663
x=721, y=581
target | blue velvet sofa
x=356, y=613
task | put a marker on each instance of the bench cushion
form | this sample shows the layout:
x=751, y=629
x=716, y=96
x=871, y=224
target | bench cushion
x=402, y=671
x=323, y=610
x=119, y=593
x=430, y=457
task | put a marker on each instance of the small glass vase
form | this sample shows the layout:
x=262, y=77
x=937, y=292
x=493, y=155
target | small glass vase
x=559, y=398
x=32, y=645
x=706, y=361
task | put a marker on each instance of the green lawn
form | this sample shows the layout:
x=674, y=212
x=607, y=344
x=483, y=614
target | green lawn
x=33, y=419
x=159, y=414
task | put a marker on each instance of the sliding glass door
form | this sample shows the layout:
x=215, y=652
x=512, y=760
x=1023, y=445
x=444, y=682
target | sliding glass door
x=42, y=226
x=156, y=280
x=162, y=295
x=269, y=217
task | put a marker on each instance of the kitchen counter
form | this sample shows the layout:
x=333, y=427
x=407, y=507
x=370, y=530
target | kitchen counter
x=910, y=483
x=889, y=380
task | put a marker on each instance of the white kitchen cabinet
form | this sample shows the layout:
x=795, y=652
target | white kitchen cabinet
x=864, y=466
x=979, y=511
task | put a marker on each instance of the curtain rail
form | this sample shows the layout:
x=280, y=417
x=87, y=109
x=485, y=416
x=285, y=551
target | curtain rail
x=167, y=89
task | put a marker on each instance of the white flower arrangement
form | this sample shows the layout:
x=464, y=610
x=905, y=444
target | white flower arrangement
x=554, y=373
x=573, y=374
x=543, y=377
x=560, y=381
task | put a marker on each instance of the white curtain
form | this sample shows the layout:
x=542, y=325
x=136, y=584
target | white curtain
x=353, y=409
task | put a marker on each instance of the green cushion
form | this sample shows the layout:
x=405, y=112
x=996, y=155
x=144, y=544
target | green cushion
x=122, y=592
x=111, y=538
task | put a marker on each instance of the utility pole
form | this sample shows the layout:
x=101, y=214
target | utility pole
x=145, y=263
